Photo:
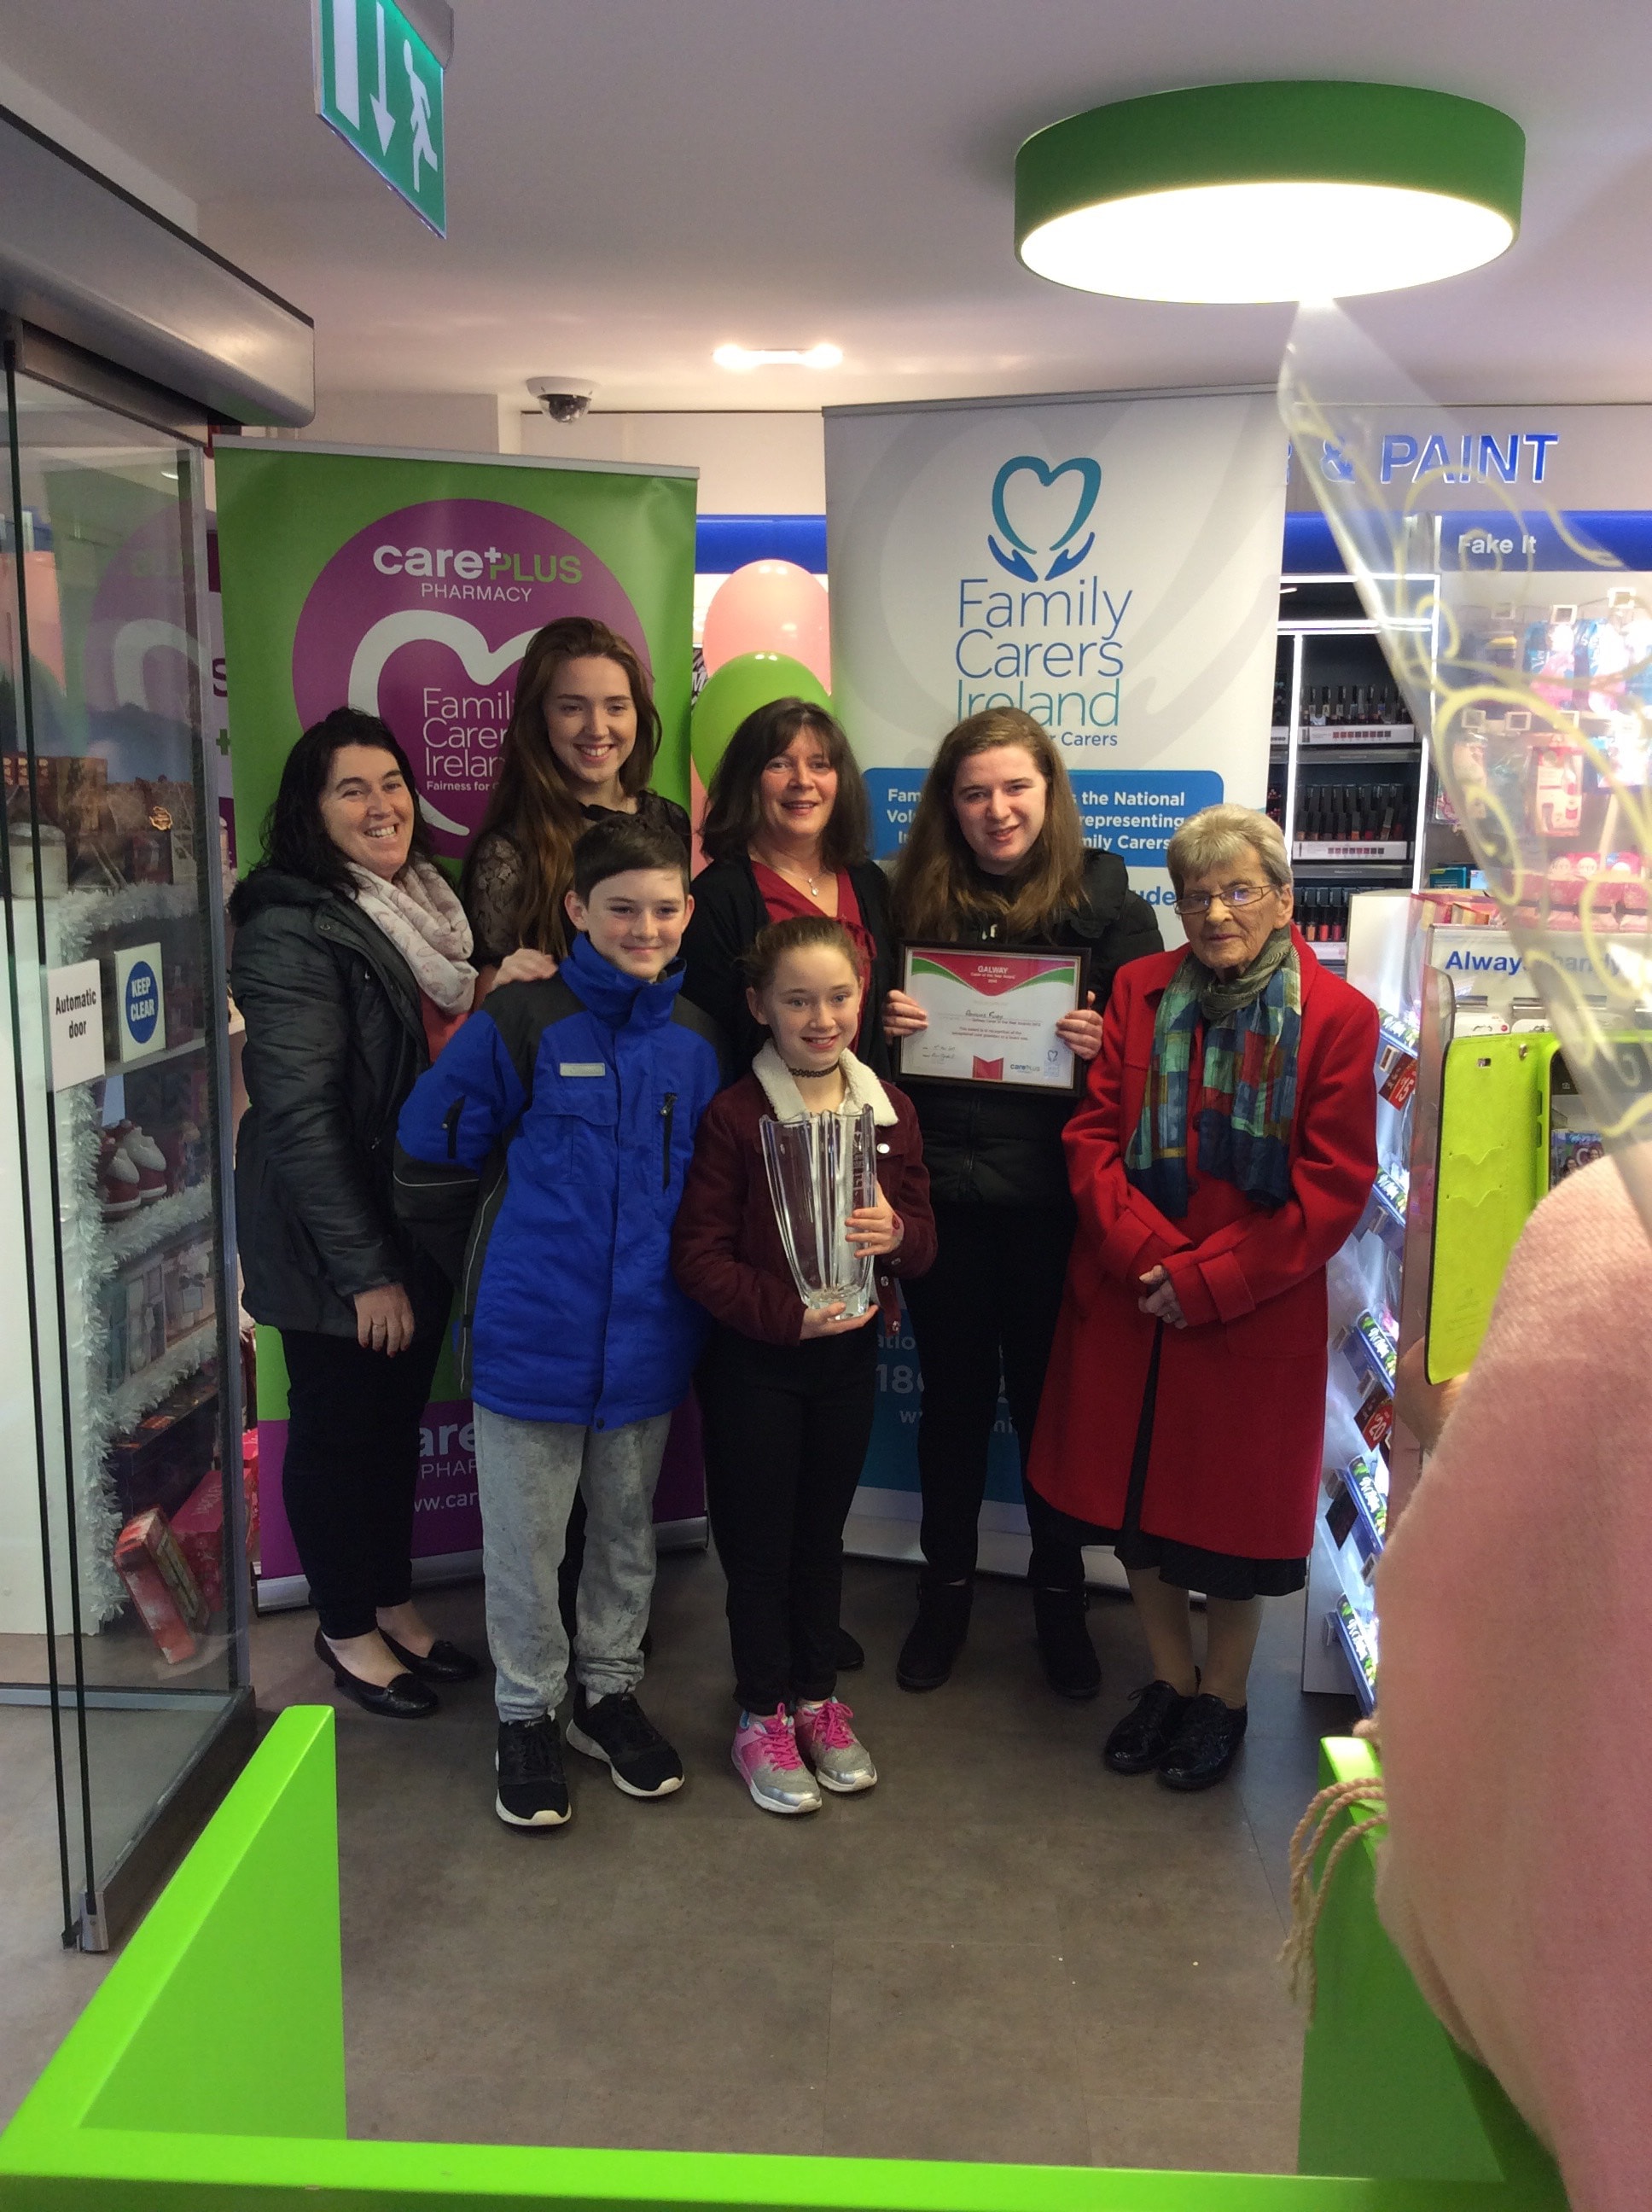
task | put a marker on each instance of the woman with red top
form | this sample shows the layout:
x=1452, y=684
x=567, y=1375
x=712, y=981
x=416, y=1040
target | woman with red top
x=1225, y=1148
x=789, y=832
x=786, y=1392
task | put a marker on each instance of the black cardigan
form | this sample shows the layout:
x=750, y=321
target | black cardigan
x=728, y=913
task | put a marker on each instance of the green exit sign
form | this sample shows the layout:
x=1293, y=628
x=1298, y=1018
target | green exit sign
x=380, y=86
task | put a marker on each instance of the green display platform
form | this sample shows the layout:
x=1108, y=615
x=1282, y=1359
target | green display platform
x=207, y=2075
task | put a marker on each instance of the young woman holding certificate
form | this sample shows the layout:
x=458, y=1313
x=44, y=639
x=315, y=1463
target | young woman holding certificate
x=996, y=858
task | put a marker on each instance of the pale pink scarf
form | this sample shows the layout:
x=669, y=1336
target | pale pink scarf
x=1515, y=1605
x=421, y=917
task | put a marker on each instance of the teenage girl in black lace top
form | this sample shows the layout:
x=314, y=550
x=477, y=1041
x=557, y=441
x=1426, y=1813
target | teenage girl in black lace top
x=580, y=746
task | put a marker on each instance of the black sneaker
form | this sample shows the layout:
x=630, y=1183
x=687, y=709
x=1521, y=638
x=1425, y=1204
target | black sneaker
x=1206, y=1744
x=532, y=1791
x=1141, y=1739
x=616, y=1730
x=935, y=1637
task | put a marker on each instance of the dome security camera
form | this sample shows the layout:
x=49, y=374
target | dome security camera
x=564, y=399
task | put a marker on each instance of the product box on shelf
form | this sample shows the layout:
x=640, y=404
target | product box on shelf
x=157, y=1577
x=162, y=1458
x=199, y=1525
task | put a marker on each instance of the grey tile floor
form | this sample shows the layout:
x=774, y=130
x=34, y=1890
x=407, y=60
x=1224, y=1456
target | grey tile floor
x=1002, y=1952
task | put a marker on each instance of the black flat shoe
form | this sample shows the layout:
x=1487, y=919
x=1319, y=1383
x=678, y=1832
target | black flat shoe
x=1141, y=1739
x=442, y=1663
x=1206, y=1744
x=406, y=1698
x=1070, y=1667
x=849, y=1653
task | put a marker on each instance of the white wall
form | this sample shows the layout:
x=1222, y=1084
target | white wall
x=749, y=463
x=431, y=422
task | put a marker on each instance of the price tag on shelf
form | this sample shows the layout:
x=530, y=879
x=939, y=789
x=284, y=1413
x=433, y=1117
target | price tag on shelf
x=74, y=1007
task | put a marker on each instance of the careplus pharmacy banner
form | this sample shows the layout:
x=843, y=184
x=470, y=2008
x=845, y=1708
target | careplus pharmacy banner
x=1110, y=565
x=409, y=584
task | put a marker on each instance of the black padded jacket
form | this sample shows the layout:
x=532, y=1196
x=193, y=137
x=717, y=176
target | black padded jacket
x=728, y=913
x=986, y=1148
x=335, y=1041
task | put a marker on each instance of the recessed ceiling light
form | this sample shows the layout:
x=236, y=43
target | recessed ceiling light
x=1269, y=191
x=742, y=358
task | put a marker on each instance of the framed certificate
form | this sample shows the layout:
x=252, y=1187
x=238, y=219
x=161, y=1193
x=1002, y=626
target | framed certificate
x=993, y=1010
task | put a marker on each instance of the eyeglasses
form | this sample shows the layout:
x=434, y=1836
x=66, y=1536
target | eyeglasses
x=1235, y=898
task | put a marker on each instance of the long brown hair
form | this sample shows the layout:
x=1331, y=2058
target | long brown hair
x=530, y=802
x=940, y=892
x=733, y=808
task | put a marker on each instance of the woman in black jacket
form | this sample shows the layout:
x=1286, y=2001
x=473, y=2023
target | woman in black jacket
x=787, y=831
x=996, y=854
x=350, y=968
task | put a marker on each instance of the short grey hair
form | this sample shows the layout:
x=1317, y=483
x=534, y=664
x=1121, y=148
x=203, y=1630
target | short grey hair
x=1218, y=836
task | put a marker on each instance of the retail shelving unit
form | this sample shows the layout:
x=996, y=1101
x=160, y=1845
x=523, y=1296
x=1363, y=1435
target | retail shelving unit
x=1348, y=774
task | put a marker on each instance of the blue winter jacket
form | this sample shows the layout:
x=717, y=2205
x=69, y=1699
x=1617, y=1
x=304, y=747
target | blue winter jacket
x=556, y=1127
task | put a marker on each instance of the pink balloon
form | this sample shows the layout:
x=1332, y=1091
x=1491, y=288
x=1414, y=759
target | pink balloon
x=770, y=606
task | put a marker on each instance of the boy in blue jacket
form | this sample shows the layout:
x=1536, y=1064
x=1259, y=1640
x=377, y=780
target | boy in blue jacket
x=556, y=1128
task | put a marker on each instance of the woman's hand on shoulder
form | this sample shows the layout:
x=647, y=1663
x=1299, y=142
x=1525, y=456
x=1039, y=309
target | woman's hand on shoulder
x=832, y=1320
x=384, y=1320
x=902, y=1016
x=525, y=965
x=1081, y=1031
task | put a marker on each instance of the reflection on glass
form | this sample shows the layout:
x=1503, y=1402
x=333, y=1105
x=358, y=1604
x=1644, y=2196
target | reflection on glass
x=1524, y=647
x=114, y=874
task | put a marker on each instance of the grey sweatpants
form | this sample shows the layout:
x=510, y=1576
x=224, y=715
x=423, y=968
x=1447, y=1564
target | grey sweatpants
x=527, y=1472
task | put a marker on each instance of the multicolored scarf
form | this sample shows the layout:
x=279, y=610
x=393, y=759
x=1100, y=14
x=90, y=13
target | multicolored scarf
x=1246, y=1100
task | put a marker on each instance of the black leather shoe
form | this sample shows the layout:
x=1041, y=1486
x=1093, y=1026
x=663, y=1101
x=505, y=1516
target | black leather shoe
x=442, y=1663
x=849, y=1653
x=406, y=1698
x=1206, y=1744
x=1071, y=1665
x=937, y=1636
x=1141, y=1739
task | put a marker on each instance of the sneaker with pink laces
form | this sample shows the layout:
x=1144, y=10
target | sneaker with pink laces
x=840, y=1760
x=766, y=1759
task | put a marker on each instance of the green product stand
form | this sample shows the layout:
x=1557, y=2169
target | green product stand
x=207, y=2075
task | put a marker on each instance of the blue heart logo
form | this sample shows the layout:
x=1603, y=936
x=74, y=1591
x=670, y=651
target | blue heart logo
x=1068, y=556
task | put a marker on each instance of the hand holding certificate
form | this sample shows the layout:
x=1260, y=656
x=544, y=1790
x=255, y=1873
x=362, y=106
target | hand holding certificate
x=993, y=1015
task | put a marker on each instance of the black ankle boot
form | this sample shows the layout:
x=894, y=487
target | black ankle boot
x=1071, y=1665
x=935, y=1637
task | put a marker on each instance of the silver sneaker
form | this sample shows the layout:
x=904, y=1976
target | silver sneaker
x=766, y=1759
x=840, y=1760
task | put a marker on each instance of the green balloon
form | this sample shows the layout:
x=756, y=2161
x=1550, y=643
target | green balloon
x=738, y=687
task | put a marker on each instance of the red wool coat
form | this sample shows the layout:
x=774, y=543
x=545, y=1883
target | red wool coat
x=1240, y=1415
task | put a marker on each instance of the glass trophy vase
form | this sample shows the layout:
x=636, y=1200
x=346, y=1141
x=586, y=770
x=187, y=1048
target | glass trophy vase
x=821, y=1167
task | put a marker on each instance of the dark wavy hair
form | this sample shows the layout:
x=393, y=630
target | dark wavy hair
x=530, y=802
x=733, y=813
x=294, y=837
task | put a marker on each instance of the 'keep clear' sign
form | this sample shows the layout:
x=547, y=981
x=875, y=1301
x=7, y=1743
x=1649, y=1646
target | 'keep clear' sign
x=75, y=996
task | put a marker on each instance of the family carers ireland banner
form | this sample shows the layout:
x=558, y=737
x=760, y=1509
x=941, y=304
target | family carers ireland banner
x=409, y=584
x=1110, y=565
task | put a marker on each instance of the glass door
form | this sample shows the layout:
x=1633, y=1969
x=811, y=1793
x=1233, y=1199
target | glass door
x=122, y=1525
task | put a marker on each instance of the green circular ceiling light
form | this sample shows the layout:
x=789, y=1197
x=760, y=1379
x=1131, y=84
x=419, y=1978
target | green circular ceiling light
x=1269, y=191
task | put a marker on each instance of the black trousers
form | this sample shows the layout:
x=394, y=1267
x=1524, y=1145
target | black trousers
x=351, y=1467
x=786, y=1428
x=989, y=1305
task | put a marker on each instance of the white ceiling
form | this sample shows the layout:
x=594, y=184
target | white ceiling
x=632, y=182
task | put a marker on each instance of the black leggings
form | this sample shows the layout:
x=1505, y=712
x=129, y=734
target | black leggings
x=351, y=1467
x=787, y=1427
x=990, y=1302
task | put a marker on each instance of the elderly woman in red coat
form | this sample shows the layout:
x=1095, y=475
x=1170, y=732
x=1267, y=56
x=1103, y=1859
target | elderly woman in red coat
x=1224, y=1150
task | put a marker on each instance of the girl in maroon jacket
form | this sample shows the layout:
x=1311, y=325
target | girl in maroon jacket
x=786, y=1393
